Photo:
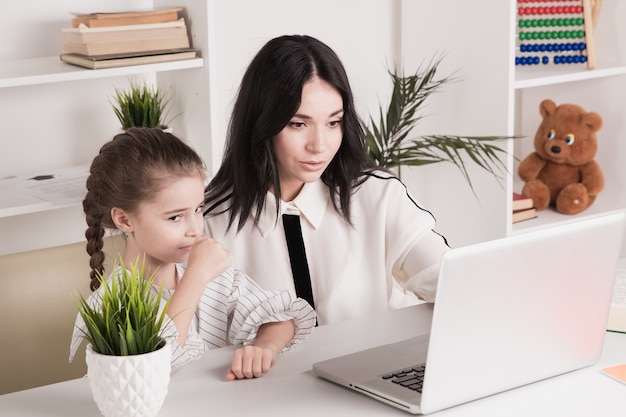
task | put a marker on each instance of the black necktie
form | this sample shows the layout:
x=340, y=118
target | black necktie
x=297, y=257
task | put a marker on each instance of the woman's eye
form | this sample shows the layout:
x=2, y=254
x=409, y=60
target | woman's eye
x=296, y=125
x=335, y=123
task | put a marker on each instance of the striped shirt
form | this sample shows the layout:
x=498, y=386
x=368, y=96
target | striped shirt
x=231, y=310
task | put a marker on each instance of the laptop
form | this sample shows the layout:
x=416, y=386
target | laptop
x=508, y=312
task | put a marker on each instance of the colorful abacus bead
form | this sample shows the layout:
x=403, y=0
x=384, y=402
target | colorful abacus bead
x=528, y=60
x=570, y=59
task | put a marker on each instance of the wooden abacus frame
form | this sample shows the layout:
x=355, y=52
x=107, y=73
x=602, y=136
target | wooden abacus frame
x=584, y=15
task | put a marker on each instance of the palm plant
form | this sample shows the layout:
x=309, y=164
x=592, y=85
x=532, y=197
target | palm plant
x=142, y=105
x=388, y=141
x=126, y=317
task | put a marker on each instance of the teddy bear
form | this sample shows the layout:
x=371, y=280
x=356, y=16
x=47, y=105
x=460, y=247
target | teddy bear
x=562, y=172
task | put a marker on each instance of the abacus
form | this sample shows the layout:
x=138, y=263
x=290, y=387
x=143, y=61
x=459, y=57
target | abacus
x=556, y=32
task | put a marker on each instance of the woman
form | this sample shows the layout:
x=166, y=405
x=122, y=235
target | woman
x=295, y=146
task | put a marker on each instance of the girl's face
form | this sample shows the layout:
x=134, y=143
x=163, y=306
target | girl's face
x=305, y=147
x=165, y=227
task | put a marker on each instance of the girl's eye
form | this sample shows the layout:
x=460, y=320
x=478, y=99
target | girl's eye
x=175, y=218
x=199, y=209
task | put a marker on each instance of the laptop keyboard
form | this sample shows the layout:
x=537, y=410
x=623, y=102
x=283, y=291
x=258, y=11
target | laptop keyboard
x=411, y=378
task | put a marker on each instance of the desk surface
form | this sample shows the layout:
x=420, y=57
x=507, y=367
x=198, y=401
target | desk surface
x=292, y=389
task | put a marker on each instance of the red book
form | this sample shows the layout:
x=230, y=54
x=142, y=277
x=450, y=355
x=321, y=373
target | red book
x=521, y=202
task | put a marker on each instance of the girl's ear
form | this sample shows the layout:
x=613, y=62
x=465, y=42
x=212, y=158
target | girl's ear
x=121, y=219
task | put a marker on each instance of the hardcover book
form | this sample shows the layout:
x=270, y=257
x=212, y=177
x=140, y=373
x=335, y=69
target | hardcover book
x=121, y=60
x=520, y=215
x=85, y=34
x=130, y=46
x=521, y=202
x=126, y=18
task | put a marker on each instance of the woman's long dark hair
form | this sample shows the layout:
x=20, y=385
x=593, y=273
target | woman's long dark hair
x=269, y=96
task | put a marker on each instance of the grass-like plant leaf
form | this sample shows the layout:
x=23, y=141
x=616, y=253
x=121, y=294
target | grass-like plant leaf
x=142, y=105
x=125, y=317
x=388, y=139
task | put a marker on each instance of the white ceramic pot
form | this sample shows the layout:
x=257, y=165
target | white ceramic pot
x=129, y=386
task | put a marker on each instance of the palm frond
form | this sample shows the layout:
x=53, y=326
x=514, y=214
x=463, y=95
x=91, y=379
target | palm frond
x=388, y=139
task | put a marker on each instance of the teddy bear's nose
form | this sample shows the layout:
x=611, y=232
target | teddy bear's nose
x=555, y=149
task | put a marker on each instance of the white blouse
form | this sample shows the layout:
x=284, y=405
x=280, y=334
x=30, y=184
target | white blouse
x=231, y=310
x=352, y=267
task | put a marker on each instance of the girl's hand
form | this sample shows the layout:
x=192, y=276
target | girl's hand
x=208, y=259
x=251, y=362
x=254, y=361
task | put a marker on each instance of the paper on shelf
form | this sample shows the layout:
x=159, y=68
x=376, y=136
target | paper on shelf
x=58, y=187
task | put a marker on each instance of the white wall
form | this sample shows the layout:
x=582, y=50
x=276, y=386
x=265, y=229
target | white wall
x=473, y=46
x=361, y=32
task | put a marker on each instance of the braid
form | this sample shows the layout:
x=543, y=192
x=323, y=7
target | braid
x=95, y=243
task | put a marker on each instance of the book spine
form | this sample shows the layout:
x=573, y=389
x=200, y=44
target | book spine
x=122, y=35
x=107, y=48
x=94, y=22
x=91, y=63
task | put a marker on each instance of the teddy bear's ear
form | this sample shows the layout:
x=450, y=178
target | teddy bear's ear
x=593, y=120
x=547, y=108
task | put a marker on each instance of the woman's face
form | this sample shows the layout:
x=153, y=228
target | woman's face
x=305, y=147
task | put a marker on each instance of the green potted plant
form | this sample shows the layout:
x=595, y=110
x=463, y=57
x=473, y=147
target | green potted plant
x=128, y=359
x=141, y=105
x=390, y=146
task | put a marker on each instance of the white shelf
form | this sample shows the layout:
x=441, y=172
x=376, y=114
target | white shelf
x=527, y=77
x=79, y=118
x=14, y=203
x=50, y=70
x=55, y=189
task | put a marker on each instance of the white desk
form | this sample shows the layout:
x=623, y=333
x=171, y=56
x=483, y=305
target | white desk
x=199, y=389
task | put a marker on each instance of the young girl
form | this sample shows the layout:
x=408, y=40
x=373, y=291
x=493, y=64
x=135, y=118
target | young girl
x=296, y=147
x=149, y=185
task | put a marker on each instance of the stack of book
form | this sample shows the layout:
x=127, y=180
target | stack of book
x=523, y=208
x=106, y=40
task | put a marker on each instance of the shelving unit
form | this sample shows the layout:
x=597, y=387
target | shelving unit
x=598, y=90
x=70, y=139
x=48, y=70
x=494, y=97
